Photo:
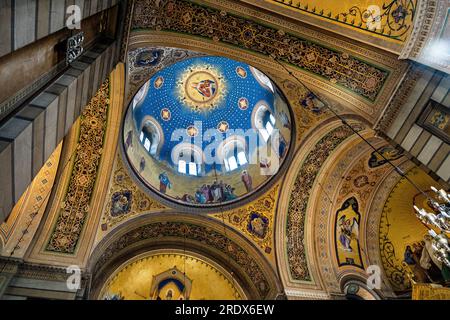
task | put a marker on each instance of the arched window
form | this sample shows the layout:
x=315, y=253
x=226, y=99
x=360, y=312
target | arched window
x=151, y=136
x=140, y=95
x=233, y=153
x=188, y=159
x=262, y=79
x=263, y=120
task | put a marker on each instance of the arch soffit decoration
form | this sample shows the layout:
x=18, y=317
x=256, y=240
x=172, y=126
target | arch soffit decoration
x=370, y=110
x=201, y=234
x=335, y=184
x=321, y=251
x=310, y=279
x=37, y=252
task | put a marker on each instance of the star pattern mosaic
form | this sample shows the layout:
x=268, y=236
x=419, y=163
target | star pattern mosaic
x=234, y=80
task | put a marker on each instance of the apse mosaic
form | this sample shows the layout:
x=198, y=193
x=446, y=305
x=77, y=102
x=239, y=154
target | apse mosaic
x=405, y=245
x=392, y=19
x=207, y=131
x=170, y=276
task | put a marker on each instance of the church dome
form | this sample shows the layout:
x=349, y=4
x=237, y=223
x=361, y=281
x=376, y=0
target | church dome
x=207, y=131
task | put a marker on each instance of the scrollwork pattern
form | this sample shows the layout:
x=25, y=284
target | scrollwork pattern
x=76, y=204
x=339, y=68
x=394, y=19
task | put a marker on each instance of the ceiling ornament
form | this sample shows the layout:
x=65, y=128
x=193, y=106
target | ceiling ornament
x=202, y=88
x=300, y=195
x=75, y=206
x=363, y=79
x=391, y=19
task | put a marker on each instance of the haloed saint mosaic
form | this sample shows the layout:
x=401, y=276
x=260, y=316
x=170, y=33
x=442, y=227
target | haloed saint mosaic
x=206, y=131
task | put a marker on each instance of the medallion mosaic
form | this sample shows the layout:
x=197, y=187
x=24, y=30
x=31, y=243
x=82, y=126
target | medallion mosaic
x=256, y=219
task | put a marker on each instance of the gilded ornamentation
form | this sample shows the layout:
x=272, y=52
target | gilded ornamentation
x=307, y=111
x=300, y=195
x=377, y=158
x=395, y=18
x=75, y=207
x=256, y=219
x=125, y=199
x=400, y=97
x=360, y=180
x=337, y=67
x=144, y=62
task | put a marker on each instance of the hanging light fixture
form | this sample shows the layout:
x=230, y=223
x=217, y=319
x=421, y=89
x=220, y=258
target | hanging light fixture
x=440, y=220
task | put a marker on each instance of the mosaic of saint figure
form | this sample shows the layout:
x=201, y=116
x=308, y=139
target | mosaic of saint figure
x=129, y=140
x=171, y=285
x=348, y=230
x=121, y=203
x=164, y=182
x=247, y=180
x=142, y=164
x=258, y=224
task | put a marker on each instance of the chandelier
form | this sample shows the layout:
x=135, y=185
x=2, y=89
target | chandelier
x=438, y=219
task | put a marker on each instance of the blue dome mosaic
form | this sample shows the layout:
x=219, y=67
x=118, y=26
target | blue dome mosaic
x=187, y=106
x=232, y=90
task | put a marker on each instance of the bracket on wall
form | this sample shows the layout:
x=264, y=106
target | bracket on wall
x=74, y=47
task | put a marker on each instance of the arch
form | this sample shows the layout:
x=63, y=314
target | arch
x=151, y=135
x=197, y=234
x=299, y=261
x=233, y=153
x=188, y=158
